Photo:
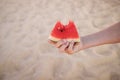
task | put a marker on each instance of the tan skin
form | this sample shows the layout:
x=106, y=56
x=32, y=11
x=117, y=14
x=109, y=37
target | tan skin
x=109, y=35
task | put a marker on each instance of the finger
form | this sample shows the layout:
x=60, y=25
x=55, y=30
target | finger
x=63, y=47
x=70, y=48
x=60, y=43
x=71, y=45
x=76, y=48
x=52, y=42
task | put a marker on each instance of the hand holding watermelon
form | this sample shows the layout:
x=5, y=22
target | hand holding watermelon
x=65, y=37
x=69, y=47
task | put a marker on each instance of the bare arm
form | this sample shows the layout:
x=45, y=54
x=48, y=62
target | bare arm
x=106, y=36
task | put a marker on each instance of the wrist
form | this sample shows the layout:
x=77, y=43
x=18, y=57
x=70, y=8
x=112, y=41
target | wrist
x=89, y=41
x=84, y=42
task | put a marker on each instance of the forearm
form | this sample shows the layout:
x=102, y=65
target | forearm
x=107, y=36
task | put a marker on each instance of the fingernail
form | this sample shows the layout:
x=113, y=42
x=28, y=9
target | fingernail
x=64, y=41
x=72, y=41
x=67, y=43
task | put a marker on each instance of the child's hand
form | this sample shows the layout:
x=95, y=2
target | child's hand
x=66, y=46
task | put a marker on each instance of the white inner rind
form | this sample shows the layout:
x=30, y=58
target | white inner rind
x=57, y=39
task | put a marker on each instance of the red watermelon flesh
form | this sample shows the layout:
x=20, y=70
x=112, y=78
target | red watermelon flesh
x=68, y=32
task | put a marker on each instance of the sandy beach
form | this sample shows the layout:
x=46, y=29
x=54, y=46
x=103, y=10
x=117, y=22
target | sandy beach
x=25, y=53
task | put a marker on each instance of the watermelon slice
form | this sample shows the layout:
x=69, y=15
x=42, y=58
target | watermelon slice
x=68, y=32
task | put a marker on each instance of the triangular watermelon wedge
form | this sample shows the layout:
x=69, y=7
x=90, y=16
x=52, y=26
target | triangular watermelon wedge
x=68, y=32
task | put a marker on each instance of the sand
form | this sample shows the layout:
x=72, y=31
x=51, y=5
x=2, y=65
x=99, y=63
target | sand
x=25, y=53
